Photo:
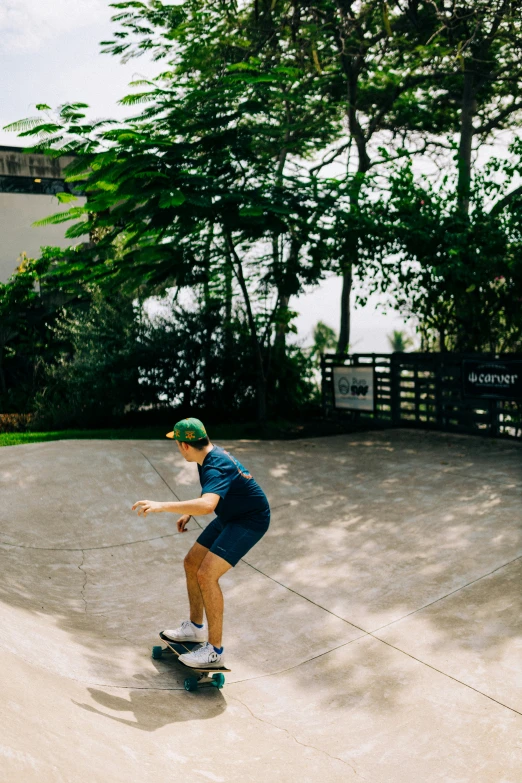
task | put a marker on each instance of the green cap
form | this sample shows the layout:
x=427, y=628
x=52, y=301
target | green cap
x=188, y=430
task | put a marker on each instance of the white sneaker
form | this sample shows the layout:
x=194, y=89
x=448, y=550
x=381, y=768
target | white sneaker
x=187, y=632
x=204, y=657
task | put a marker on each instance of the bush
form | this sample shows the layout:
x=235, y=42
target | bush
x=96, y=378
x=117, y=366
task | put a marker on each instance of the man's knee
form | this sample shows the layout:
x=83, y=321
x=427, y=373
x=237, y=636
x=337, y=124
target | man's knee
x=205, y=575
x=191, y=562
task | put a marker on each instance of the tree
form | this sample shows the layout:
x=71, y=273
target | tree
x=447, y=272
x=477, y=50
x=480, y=47
x=325, y=339
x=205, y=182
x=377, y=56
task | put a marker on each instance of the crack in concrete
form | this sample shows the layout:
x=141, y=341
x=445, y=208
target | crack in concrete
x=303, y=744
x=442, y=597
x=85, y=577
x=445, y=674
x=398, y=649
x=92, y=548
x=375, y=630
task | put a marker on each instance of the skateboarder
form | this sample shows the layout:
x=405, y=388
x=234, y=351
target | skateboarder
x=243, y=517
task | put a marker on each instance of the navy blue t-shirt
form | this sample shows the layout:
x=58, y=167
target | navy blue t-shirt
x=241, y=496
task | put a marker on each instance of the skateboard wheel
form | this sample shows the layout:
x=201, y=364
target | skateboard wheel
x=218, y=680
x=157, y=653
x=191, y=684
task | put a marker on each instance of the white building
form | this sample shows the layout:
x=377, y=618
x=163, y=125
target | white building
x=28, y=187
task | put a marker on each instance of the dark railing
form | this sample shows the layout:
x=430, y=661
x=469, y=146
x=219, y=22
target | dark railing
x=425, y=390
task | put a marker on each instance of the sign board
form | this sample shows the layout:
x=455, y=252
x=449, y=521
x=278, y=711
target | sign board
x=354, y=388
x=495, y=379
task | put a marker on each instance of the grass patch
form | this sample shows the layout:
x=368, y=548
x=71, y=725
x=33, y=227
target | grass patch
x=272, y=430
x=17, y=438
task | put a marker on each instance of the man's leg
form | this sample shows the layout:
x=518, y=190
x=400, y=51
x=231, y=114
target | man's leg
x=193, y=560
x=210, y=571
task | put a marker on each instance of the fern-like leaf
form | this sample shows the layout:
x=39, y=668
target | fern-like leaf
x=77, y=230
x=61, y=217
x=132, y=100
x=22, y=125
x=140, y=83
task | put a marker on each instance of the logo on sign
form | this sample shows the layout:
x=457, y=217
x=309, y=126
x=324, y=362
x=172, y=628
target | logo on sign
x=357, y=387
x=343, y=385
x=492, y=379
x=495, y=379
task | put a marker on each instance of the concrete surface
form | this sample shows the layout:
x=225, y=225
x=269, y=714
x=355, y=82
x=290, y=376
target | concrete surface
x=375, y=633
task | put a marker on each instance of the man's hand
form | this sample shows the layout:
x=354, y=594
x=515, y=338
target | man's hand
x=183, y=522
x=147, y=506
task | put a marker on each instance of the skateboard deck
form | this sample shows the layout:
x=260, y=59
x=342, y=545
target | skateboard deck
x=208, y=677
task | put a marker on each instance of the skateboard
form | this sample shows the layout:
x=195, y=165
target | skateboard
x=199, y=678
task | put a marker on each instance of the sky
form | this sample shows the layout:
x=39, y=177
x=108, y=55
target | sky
x=50, y=54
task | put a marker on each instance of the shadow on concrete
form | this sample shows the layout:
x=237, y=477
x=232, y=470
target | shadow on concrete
x=152, y=710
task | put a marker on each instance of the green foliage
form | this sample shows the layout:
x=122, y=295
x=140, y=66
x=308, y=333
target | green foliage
x=325, y=339
x=95, y=378
x=275, y=152
x=399, y=341
x=460, y=275
x=209, y=178
x=294, y=391
x=192, y=360
x=29, y=307
x=118, y=362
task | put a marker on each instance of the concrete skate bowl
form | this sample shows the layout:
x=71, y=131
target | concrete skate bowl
x=380, y=614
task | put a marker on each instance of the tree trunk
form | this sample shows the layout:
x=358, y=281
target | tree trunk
x=469, y=106
x=280, y=334
x=348, y=263
x=352, y=255
x=344, y=333
x=228, y=293
x=276, y=374
x=256, y=346
x=207, y=314
x=228, y=391
x=465, y=329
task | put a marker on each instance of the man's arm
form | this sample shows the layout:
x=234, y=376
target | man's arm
x=206, y=504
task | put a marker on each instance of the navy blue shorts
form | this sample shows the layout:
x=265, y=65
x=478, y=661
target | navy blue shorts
x=232, y=540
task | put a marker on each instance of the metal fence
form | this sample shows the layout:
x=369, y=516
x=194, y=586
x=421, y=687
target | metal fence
x=424, y=390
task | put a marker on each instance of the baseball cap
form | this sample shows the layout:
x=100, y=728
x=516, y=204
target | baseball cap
x=188, y=430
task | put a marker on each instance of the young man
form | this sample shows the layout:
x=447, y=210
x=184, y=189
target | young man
x=243, y=517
